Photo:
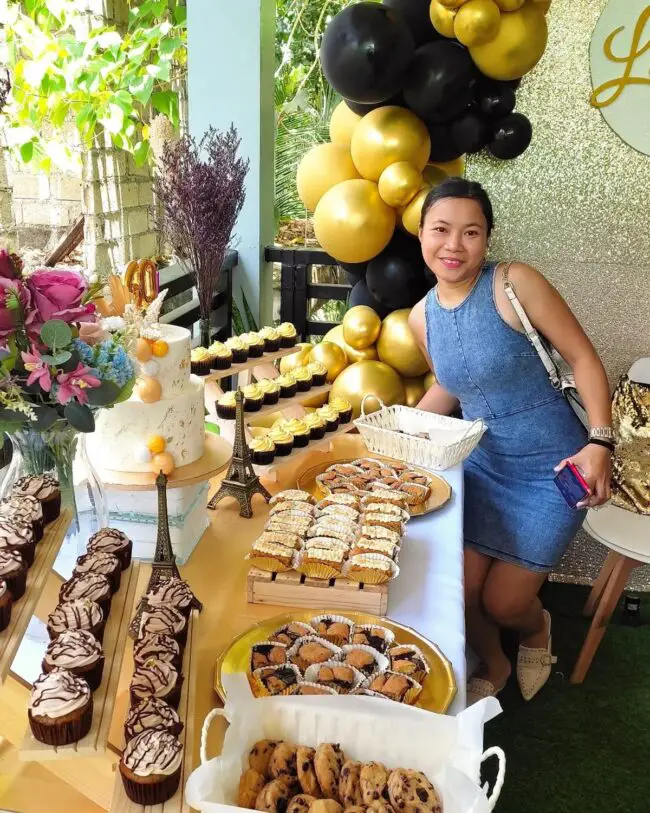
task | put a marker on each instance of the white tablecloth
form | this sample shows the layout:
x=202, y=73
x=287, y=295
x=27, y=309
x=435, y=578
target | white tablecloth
x=428, y=595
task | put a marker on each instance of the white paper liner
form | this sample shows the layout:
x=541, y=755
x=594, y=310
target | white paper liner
x=380, y=507
x=339, y=499
x=337, y=530
x=387, y=521
x=268, y=643
x=324, y=689
x=390, y=635
x=326, y=542
x=371, y=576
x=293, y=651
x=365, y=545
x=416, y=651
x=381, y=661
x=257, y=678
x=292, y=505
x=379, y=492
x=318, y=569
x=369, y=693
x=310, y=631
x=411, y=694
x=265, y=561
x=292, y=495
x=289, y=539
x=341, y=619
x=345, y=511
x=344, y=469
x=311, y=674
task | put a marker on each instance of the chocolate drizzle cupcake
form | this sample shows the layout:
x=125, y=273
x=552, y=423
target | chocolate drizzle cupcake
x=173, y=593
x=17, y=534
x=13, y=569
x=79, y=614
x=165, y=620
x=101, y=562
x=156, y=679
x=5, y=605
x=46, y=490
x=151, y=767
x=25, y=507
x=91, y=586
x=151, y=714
x=159, y=646
x=60, y=708
x=79, y=652
x=110, y=540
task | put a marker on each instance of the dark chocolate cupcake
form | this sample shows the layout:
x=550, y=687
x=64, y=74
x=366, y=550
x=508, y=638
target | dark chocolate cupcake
x=91, y=586
x=151, y=767
x=79, y=614
x=238, y=349
x=318, y=373
x=282, y=440
x=343, y=407
x=46, y=490
x=221, y=356
x=173, y=593
x=5, y=605
x=316, y=424
x=60, y=708
x=255, y=344
x=158, y=646
x=288, y=334
x=101, y=562
x=303, y=379
x=288, y=386
x=110, y=540
x=156, y=679
x=271, y=339
x=151, y=714
x=299, y=430
x=270, y=389
x=79, y=652
x=331, y=417
x=165, y=620
x=253, y=398
x=25, y=507
x=262, y=450
x=200, y=361
x=17, y=534
x=13, y=569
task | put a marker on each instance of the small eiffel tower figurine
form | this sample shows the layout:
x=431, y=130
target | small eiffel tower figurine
x=164, y=564
x=241, y=482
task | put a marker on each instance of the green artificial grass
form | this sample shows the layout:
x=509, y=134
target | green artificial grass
x=579, y=749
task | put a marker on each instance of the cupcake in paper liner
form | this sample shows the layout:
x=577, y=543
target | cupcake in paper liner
x=370, y=568
x=271, y=556
x=364, y=658
x=306, y=688
x=310, y=650
x=394, y=686
x=268, y=653
x=373, y=635
x=321, y=563
x=335, y=628
x=336, y=675
x=273, y=680
x=408, y=659
x=290, y=633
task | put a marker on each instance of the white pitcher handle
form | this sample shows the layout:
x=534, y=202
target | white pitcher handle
x=204, y=732
x=497, y=752
x=363, y=403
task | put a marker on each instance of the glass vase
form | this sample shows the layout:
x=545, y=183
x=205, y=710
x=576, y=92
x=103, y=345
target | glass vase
x=61, y=452
x=205, y=331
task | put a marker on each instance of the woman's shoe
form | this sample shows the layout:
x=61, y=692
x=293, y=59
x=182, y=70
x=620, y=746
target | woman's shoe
x=478, y=688
x=534, y=665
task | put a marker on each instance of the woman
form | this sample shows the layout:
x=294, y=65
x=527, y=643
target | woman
x=516, y=523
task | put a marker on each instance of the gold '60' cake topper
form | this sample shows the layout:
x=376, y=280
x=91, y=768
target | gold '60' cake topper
x=141, y=281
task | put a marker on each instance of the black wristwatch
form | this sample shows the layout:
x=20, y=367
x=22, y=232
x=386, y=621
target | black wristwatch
x=607, y=444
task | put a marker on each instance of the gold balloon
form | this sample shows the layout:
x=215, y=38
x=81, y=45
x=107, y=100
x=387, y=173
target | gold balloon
x=411, y=215
x=518, y=46
x=543, y=4
x=442, y=18
x=452, y=3
x=397, y=345
x=369, y=378
x=388, y=135
x=510, y=5
x=361, y=327
x=316, y=401
x=336, y=335
x=324, y=166
x=298, y=359
x=414, y=388
x=477, y=22
x=267, y=420
x=453, y=169
x=433, y=175
x=342, y=125
x=429, y=380
x=399, y=183
x=332, y=356
x=352, y=223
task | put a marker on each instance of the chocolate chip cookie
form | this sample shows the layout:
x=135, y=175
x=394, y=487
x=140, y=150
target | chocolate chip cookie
x=274, y=797
x=260, y=754
x=325, y=806
x=306, y=772
x=380, y=806
x=373, y=780
x=250, y=785
x=349, y=788
x=411, y=791
x=283, y=761
x=300, y=803
x=328, y=761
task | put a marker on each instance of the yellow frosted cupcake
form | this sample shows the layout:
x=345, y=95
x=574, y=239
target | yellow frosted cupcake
x=238, y=349
x=316, y=424
x=263, y=450
x=270, y=389
x=331, y=417
x=200, y=361
x=303, y=378
x=282, y=439
x=221, y=356
x=318, y=373
x=288, y=386
x=288, y=335
x=255, y=344
x=300, y=432
x=343, y=407
x=227, y=406
x=253, y=398
x=271, y=339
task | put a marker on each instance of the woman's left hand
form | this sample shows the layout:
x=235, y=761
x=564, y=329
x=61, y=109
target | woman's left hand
x=595, y=464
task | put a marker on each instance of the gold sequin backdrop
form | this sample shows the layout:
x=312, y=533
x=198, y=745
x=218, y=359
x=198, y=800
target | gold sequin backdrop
x=576, y=205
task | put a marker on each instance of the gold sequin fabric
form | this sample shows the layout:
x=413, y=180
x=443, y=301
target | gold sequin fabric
x=631, y=463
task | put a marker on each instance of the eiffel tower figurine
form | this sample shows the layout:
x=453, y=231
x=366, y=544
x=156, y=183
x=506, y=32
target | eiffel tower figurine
x=241, y=482
x=164, y=564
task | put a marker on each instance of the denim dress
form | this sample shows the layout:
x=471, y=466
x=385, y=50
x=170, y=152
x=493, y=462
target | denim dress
x=513, y=510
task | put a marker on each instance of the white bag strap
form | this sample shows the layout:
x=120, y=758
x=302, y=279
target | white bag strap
x=204, y=732
x=532, y=335
x=493, y=798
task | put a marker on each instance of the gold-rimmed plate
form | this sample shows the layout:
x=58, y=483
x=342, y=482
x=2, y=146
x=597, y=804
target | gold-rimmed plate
x=438, y=689
x=440, y=488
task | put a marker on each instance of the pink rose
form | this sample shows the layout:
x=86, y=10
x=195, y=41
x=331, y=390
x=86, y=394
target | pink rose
x=58, y=295
x=14, y=303
x=8, y=263
x=92, y=333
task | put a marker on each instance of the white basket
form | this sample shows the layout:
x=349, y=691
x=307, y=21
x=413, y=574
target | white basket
x=392, y=431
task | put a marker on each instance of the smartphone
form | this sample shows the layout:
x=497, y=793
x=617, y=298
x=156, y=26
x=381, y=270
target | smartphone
x=572, y=485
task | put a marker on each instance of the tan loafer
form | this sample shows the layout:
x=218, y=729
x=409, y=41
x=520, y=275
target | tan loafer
x=534, y=665
x=478, y=688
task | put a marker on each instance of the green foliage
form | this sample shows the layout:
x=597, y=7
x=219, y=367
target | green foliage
x=56, y=334
x=101, y=79
x=79, y=416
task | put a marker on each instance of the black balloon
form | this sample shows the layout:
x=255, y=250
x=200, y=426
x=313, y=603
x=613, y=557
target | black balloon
x=416, y=16
x=360, y=295
x=512, y=135
x=365, y=52
x=495, y=99
x=354, y=272
x=362, y=109
x=440, y=82
x=395, y=278
x=443, y=147
x=470, y=132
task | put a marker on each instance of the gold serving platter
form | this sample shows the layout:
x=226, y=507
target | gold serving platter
x=438, y=690
x=440, y=488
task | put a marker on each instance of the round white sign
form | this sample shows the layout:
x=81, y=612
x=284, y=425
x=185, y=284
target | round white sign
x=620, y=70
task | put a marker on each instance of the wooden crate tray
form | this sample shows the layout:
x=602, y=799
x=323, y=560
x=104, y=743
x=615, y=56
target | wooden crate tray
x=120, y=802
x=117, y=627
x=235, y=369
x=293, y=589
x=22, y=611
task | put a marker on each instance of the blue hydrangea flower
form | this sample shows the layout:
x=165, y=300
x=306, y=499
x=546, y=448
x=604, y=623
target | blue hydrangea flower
x=85, y=351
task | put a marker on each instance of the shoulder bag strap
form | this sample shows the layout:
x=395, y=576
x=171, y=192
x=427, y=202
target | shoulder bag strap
x=532, y=335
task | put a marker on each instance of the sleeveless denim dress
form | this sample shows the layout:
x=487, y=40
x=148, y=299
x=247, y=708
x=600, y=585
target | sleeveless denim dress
x=513, y=510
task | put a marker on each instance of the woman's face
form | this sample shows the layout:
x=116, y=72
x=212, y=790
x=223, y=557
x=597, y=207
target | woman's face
x=454, y=239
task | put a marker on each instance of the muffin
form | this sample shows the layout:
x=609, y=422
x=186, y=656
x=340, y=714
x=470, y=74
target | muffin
x=60, y=709
x=46, y=490
x=282, y=440
x=409, y=660
x=165, y=620
x=316, y=424
x=343, y=407
x=262, y=450
x=303, y=378
x=151, y=714
x=270, y=389
x=101, y=562
x=158, y=646
x=91, y=586
x=174, y=593
x=27, y=508
x=156, y=679
x=300, y=431
x=13, y=569
x=288, y=386
x=331, y=417
x=110, y=540
x=5, y=605
x=255, y=344
x=288, y=335
x=200, y=361
x=79, y=652
x=238, y=349
x=79, y=614
x=274, y=680
x=271, y=339
x=227, y=406
x=318, y=373
x=253, y=398
x=17, y=534
x=151, y=766
x=221, y=356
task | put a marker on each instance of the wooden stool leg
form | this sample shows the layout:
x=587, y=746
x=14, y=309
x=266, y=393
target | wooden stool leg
x=600, y=583
x=611, y=595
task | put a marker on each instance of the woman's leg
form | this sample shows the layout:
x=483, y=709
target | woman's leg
x=510, y=599
x=482, y=635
